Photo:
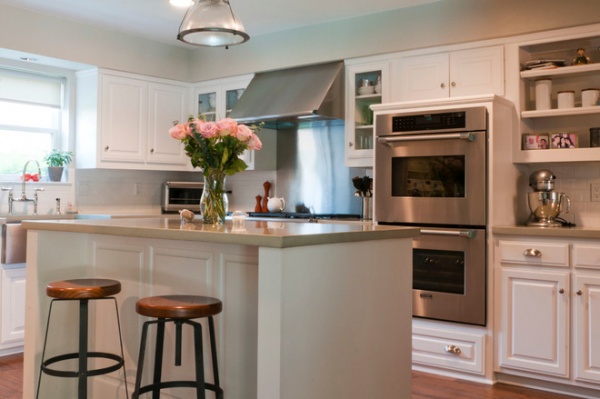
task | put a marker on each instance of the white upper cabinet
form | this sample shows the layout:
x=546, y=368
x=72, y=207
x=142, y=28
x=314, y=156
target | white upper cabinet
x=359, y=116
x=449, y=74
x=123, y=121
x=123, y=118
x=168, y=103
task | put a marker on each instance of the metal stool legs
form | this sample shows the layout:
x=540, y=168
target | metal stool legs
x=199, y=383
x=82, y=372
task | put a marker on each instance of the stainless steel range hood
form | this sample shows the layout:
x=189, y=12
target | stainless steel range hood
x=306, y=96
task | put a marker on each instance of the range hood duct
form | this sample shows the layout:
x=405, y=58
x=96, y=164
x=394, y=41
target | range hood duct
x=309, y=96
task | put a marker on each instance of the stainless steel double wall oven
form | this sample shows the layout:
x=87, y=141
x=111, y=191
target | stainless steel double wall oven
x=431, y=172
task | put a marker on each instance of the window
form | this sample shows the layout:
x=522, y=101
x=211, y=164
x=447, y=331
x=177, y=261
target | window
x=31, y=110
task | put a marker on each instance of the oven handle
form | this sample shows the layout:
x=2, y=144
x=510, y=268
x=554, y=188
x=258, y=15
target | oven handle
x=457, y=233
x=466, y=136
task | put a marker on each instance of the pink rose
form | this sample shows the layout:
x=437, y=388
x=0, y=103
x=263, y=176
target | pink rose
x=254, y=142
x=244, y=133
x=179, y=131
x=208, y=130
x=227, y=127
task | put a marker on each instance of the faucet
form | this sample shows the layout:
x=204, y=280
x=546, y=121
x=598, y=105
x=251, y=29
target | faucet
x=23, y=197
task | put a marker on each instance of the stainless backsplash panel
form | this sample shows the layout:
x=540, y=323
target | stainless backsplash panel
x=311, y=174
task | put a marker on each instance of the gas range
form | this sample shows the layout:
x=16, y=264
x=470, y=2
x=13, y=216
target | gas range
x=303, y=215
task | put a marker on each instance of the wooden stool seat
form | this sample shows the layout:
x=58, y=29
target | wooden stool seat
x=178, y=306
x=178, y=310
x=83, y=288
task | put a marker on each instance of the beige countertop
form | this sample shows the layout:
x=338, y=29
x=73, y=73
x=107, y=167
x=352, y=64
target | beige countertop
x=256, y=232
x=564, y=232
x=19, y=218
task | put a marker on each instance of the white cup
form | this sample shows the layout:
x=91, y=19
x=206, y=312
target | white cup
x=590, y=97
x=543, y=91
x=566, y=99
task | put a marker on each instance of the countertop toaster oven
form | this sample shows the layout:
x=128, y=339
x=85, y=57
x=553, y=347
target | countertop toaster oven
x=178, y=195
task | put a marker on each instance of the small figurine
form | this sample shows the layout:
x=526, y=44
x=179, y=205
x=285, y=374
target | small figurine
x=581, y=58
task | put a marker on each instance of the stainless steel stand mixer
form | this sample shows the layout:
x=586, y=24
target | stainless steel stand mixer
x=544, y=203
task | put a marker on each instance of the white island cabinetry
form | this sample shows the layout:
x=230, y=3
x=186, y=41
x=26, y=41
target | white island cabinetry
x=123, y=121
x=285, y=294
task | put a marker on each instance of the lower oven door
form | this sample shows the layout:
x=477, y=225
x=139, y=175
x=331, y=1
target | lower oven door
x=449, y=275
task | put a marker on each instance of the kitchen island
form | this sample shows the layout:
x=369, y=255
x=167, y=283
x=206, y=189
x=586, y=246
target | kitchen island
x=309, y=309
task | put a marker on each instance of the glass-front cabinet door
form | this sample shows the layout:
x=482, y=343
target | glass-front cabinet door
x=207, y=105
x=365, y=86
x=216, y=98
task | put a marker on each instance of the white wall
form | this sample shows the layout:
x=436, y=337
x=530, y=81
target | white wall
x=429, y=25
x=67, y=40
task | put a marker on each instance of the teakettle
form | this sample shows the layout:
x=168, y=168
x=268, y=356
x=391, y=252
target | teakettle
x=276, y=204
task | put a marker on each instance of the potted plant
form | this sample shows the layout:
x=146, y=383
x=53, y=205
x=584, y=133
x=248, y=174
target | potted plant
x=56, y=161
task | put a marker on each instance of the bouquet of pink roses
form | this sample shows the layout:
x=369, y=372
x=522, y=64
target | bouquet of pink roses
x=216, y=146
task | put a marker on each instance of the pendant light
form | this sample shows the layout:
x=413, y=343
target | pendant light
x=211, y=23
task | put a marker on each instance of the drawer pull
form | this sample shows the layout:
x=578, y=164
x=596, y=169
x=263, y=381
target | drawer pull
x=561, y=291
x=579, y=293
x=452, y=349
x=533, y=253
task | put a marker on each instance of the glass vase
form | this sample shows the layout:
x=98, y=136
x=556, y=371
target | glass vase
x=214, y=201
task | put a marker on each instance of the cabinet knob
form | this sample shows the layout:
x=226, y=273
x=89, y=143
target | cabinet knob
x=453, y=84
x=152, y=151
x=452, y=349
x=350, y=144
x=579, y=293
x=106, y=148
x=532, y=252
x=561, y=291
x=443, y=85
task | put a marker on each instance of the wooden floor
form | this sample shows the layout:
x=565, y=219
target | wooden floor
x=425, y=386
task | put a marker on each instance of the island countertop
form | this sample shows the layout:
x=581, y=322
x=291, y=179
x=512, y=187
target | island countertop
x=255, y=232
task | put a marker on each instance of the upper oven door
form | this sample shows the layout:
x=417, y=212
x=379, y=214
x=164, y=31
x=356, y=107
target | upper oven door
x=431, y=178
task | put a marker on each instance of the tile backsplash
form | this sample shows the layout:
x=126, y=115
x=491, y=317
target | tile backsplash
x=125, y=192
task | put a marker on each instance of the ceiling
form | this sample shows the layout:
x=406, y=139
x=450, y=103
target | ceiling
x=158, y=20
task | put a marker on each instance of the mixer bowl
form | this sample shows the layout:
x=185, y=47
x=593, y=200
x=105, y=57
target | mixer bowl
x=546, y=206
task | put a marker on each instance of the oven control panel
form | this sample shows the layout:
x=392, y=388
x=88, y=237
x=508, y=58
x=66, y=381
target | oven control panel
x=466, y=119
x=446, y=120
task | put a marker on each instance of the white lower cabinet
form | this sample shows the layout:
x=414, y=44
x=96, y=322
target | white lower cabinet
x=451, y=349
x=548, y=309
x=535, y=321
x=12, y=330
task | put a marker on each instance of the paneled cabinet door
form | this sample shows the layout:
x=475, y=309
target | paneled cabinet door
x=535, y=321
x=13, y=307
x=587, y=327
x=124, y=120
x=478, y=71
x=421, y=77
x=168, y=103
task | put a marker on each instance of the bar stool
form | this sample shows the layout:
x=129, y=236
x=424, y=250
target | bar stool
x=82, y=290
x=178, y=309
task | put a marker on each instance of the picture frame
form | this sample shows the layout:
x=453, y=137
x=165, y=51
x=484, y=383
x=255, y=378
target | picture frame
x=564, y=140
x=536, y=141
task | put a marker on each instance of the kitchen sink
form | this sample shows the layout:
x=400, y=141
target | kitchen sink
x=14, y=236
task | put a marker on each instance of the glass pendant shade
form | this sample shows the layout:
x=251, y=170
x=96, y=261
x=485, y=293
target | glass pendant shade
x=211, y=23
